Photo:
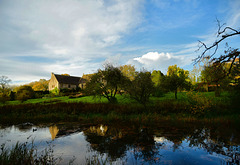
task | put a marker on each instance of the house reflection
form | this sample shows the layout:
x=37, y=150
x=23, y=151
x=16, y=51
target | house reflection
x=53, y=131
x=99, y=130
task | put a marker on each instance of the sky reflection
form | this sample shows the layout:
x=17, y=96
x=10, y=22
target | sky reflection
x=130, y=145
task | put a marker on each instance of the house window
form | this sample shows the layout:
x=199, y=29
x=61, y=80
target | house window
x=69, y=86
x=53, y=86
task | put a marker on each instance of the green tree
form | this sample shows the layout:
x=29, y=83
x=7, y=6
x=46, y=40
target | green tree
x=25, y=92
x=177, y=79
x=215, y=73
x=157, y=76
x=106, y=83
x=128, y=71
x=158, y=79
x=141, y=87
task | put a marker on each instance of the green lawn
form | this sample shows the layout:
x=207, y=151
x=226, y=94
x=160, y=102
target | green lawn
x=122, y=99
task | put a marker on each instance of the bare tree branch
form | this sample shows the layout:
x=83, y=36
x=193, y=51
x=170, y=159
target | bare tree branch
x=224, y=33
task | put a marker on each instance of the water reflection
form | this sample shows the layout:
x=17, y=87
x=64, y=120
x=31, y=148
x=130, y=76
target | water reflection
x=136, y=144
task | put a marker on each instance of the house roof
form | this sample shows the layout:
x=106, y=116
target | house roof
x=68, y=79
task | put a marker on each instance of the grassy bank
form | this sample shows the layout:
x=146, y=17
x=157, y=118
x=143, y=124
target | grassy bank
x=86, y=109
x=122, y=99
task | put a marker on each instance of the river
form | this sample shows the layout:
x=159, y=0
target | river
x=163, y=143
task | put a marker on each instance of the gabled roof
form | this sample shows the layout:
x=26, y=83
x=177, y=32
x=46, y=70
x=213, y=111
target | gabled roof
x=67, y=79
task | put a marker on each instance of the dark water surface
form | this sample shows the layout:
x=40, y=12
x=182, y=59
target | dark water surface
x=166, y=143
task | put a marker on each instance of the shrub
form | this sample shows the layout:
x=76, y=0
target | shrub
x=235, y=96
x=25, y=92
x=199, y=103
x=3, y=98
x=55, y=91
x=158, y=92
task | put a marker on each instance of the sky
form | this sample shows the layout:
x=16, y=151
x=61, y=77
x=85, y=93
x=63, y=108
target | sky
x=79, y=36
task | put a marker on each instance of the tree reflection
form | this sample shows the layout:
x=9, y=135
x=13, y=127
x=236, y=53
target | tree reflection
x=146, y=143
x=145, y=148
x=108, y=140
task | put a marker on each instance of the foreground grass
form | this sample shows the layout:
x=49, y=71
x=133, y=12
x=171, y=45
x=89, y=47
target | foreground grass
x=27, y=154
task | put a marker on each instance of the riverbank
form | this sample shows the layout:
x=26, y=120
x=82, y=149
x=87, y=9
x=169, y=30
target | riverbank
x=165, y=110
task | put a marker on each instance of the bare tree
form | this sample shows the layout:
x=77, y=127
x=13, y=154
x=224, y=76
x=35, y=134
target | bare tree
x=230, y=55
x=4, y=81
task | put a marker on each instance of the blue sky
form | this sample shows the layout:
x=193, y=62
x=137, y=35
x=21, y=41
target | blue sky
x=79, y=36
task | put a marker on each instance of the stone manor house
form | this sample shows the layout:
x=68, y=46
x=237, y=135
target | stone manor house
x=65, y=82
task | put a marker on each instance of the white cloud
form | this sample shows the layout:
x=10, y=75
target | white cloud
x=159, y=61
x=72, y=33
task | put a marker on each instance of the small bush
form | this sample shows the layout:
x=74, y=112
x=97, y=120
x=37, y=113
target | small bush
x=25, y=92
x=55, y=91
x=199, y=103
x=3, y=98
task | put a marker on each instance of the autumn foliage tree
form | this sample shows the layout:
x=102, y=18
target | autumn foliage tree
x=41, y=85
x=128, y=71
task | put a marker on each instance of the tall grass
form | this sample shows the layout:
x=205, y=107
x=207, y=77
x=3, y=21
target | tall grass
x=27, y=154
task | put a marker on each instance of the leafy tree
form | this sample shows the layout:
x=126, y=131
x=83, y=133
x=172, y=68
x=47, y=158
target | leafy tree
x=106, y=83
x=177, y=79
x=157, y=76
x=41, y=85
x=128, y=71
x=141, y=87
x=25, y=92
x=214, y=73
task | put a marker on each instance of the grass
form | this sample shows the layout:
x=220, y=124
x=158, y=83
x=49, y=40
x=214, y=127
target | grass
x=26, y=153
x=88, y=108
x=121, y=99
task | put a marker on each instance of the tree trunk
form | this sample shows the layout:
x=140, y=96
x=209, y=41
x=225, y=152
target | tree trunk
x=217, y=92
x=176, y=94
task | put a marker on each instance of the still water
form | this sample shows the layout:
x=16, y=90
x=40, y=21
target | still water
x=165, y=143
